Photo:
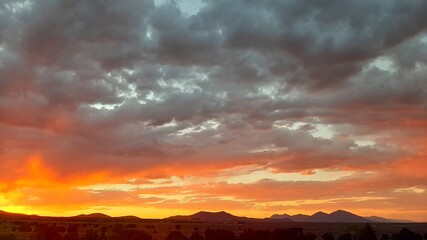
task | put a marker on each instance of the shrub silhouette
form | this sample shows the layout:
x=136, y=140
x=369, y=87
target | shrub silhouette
x=256, y=234
x=131, y=225
x=277, y=234
x=45, y=232
x=175, y=235
x=328, y=236
x=129, y=231
x=130, y=234
x=71, y=236
x=73, y=228
x=25, y=227
x=385, y=237
x=141, y=235
x=309, y=236
x=288, y=234
x=90, y=235
x=8, y=237
x=196, y=235
x=367, y=233
x=406, y=234
x=217, y=234
x=345, y=236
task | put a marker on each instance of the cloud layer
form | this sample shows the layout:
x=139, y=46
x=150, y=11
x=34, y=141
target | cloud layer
x=238, y=104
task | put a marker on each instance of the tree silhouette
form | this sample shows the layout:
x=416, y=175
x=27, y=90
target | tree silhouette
x=217, y=234
x=406, y=234
x=90, y=235
x=255, y=235
x=141, y=235
x=71, y=236
x=25, y=227
x=367, y=233
x=309, y=236
x=385, y=237
x=73, y=228
x=43, y=232
x=128, y=234
x=196, y=235
x=328, y=236
x=345, y=236
x=175, y=235
x=288, y=234
x=8, y=237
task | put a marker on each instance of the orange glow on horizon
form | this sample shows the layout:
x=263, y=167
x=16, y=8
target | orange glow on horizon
x=39, y=191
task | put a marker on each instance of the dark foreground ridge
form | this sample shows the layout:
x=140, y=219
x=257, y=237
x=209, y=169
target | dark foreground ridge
x=338, y=225
x=204, y=216
x=95, y=230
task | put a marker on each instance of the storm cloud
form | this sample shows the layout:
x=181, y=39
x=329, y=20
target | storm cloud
x=150, y=90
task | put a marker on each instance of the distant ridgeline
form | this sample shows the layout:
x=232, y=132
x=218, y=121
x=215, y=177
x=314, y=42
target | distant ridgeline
x=205, y=226
x=203, y=216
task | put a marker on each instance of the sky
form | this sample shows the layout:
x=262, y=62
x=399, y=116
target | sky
x=158, y=108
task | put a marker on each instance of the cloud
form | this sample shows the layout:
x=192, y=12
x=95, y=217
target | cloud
x=100, y=90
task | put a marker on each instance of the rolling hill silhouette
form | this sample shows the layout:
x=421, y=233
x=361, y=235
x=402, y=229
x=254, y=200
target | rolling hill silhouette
x=387, y=220
x=337, y=216
x=92, y=216
x=222, y=216
x=8, y=215
x=210, y=217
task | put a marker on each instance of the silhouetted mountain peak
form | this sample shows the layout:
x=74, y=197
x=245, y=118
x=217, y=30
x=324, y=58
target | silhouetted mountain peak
x=205, y=216
x=93, y=215
x=279, y=216
x=336, y=216
x=13, y=215
x=320, y=213
x=221, y=216
x=129, y=218
x=341, y=212
x=212, y=213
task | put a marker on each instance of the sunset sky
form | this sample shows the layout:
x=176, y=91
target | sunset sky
x=156, y=108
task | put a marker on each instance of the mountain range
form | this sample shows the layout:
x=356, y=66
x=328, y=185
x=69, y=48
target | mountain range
x=203, y=216
x=208, y=217
x=92, y=216
x=387, y=220
x=337, y=216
